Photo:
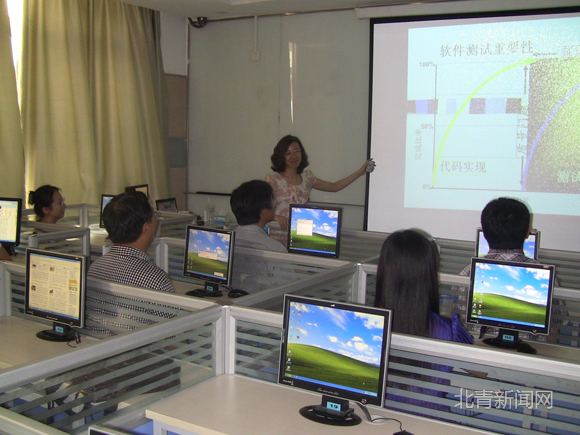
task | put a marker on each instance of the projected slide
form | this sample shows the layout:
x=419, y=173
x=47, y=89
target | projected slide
x=334, y=347
x=468, y=108
x=493, y=107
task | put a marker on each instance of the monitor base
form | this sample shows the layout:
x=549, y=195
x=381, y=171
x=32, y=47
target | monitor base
x=510, y=340
x=50, y=335
x=319, y=414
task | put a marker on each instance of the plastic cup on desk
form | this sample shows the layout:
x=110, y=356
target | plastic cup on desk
x=446, y=305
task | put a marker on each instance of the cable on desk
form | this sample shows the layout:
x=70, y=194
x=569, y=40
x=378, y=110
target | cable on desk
x=372, y=420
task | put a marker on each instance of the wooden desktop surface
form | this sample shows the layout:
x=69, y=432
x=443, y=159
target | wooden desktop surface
x=236, y=405
x=19, y=344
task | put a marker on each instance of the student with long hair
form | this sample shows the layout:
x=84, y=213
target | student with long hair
x=407, y=283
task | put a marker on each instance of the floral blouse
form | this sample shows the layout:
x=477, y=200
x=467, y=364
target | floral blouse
x=286, y=193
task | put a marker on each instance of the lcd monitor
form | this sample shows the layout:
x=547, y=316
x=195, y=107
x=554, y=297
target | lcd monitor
x=337, y=349
x=10, y=215
x=139, y=188
x=105, y=199
x=209, y=257
x=55, y=290
x=531, y=244
x=314, y=230
x=168, y=204
x=514, y=297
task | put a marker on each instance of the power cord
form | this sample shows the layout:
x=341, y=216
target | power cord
x=373, y=420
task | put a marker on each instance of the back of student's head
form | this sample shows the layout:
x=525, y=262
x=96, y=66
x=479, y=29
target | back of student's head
x=249, y=199
x=125, y=215
x=41, y=198
x=505, y=223
x=407, y=281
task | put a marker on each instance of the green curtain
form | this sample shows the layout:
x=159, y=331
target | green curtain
x=11, y=151
x=91, y=98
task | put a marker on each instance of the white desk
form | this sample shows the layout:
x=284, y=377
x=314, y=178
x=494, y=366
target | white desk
x=19, y=344
x=236, y=405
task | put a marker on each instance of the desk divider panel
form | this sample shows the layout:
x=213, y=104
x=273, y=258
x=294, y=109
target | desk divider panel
x=521, y=395
x=118, y=377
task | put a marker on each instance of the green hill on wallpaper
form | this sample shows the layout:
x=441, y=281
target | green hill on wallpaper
x=317, y=241
x=207, y=265
x=314, y=362
x=505, y=307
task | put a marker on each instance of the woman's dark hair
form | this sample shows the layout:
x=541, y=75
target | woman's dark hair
x=125, y=215
x=40, y=198
x=407, y=281
x=278, y=159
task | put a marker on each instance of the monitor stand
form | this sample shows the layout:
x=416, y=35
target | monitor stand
x=10, y=248
x=210, y=290
x=332, y=411
x=508, y=339
x=59, y=332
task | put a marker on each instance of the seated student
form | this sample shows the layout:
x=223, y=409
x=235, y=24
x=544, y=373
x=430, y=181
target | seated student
x=131, y=224
x=506, y=224
x=48, y=204
x=251, y=203
x=252, y=206
x=407, y=283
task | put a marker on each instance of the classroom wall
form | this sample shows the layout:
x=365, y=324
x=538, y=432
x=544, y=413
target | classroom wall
x=311, y=79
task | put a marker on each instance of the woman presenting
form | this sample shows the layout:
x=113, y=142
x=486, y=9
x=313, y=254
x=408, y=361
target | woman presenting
x=292, y=184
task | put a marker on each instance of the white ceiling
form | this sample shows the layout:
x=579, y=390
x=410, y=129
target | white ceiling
x=224, y=9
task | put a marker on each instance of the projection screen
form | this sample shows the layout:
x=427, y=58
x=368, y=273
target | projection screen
x=469, y=108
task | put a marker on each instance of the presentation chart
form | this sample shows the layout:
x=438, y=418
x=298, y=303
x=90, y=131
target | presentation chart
x=493, y=108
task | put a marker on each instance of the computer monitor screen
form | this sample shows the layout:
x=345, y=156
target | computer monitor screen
x=334, y=348
x=139, y=188
x=208, y=255
x=314, y=230
x=510, y=296
x=168, y=204
x=10, y=215
x=55, y=290
x=531, y=244
x=105, y=199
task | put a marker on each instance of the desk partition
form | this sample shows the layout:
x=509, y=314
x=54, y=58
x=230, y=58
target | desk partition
x=114, y=377
x=477, y=386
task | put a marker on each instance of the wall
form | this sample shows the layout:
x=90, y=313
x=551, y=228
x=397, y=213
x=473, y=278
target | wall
x=311, y=80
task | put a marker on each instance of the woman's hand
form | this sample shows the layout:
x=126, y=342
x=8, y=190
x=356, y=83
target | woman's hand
x=282, y=221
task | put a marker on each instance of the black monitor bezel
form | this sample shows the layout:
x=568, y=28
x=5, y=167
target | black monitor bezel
x=136, y=187
x=292, y=250
x=536, y=233
x=379, y=399
x=209, y=278
x=18, y=201
x=101, y=221
x=65, y=320
x=171, y=200
x=507, y=325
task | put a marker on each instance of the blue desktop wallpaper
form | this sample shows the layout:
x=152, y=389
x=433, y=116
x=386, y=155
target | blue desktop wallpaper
x=353, y=334
x=523, y=283
x=209, y=241
x=325, y=222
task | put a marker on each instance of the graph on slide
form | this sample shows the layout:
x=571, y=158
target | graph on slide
x=491, y=109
